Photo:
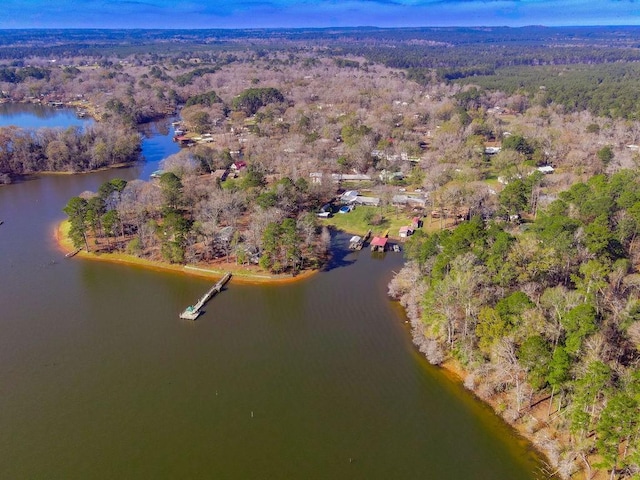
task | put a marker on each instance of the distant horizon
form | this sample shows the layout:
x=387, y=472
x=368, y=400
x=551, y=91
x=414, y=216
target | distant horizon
x=286, y=14
x=340, y=27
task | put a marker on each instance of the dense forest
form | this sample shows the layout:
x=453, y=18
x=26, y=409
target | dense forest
x=521, y=145
x=191, y=219
x=547, y=311
x=73, y=149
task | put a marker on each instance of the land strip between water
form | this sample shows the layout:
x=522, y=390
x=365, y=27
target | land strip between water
x=241, y=273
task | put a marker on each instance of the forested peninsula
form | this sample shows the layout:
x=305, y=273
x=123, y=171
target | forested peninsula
x=504, y=161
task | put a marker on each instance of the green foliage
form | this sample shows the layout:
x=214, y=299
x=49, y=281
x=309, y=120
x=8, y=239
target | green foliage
x=267, y=199
x=281, y=247
x=600, y=239
x=252, y=99
x=535, y=356
x=134, y=247
x=351, y=133
x=187, y=78
x=172, y=252
x=302, y=185
x=618, y=424
x=557, y=230
x=559, y=368
x=253, y=178
x=605, y=154
x=345, y=63
x=116, y=106
x=420, y=247
x=606, y=90
x=468, y=99
x=578, y=323
x=589, y=388
x=76, y=209
x=156, y=72
x=500, y=243
x=513, y=305
x=206, y=99
x=108, y=188
x=518, y=143
x=200, y=121
x=574, y=259
x=491, y=327
x=18, y=75
x=173, y=232
x=110, y=220
x=468, y=236
x=593, y=128
x=171, y=187
x=514, y=197
x=591, y=279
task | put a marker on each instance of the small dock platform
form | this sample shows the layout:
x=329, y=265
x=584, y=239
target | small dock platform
x=193, y=311
x=357, y=242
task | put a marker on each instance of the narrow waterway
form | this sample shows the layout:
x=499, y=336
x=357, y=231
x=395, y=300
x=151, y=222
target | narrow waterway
x=318, y=379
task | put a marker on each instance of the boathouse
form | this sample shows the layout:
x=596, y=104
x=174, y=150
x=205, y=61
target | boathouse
x=379, y=244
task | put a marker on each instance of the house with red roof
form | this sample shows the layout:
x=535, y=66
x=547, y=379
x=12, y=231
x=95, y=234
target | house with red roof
x=379, y=244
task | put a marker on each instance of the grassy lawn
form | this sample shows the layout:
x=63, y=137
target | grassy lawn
x=356, y=221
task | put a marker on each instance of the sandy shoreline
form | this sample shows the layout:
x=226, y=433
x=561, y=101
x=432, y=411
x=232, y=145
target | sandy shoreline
x=240, y=273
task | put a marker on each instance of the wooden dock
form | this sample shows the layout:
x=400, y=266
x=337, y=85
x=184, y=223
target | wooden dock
x=193, y=311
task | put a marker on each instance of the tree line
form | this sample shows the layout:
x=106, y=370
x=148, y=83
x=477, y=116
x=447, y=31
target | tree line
x=73, y=149
x=192, y=219
x=549, y=311
x=609, y=90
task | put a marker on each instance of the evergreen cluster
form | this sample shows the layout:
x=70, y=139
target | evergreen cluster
x=252, y=99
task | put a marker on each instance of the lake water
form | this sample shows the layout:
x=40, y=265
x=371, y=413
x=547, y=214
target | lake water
x=315, y=380
x=39, y=116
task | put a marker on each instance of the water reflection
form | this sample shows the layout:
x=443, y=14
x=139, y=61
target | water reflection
x=33, y=116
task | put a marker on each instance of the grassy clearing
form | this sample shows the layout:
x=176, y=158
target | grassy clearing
x=358, y=221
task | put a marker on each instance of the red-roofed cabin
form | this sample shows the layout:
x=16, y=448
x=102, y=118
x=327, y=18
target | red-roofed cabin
x=379, y=244
x=239, y=165
x=405, y=231
x=182, y=140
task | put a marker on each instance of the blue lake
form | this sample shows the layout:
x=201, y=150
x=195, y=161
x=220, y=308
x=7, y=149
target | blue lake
x=39, y=116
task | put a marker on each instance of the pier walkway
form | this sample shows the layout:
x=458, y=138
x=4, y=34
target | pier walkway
x=193, y=311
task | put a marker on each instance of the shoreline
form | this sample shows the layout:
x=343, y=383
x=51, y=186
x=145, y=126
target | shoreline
x=240, y=274
x=529, y=429
x=451, y=369
x=531, y=426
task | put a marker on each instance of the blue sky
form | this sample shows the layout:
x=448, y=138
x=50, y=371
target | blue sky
x=313, y=13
